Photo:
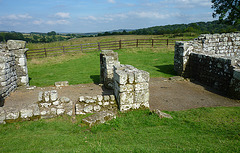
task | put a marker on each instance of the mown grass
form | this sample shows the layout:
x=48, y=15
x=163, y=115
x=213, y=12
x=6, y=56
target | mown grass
x=196, y=130
x=85, y=67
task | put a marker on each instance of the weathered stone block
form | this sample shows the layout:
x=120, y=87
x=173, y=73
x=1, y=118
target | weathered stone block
x=162, y=114
x=106, y=98
x=141, y=86
x=125, y=88
x=60, y=111
x=61, y=83
x=112, y=97
x=56, y=103
x=46, y=96
x=141, y=76
x=88, y=109
x=26, y=113
x=99, y=97
x=90, y=101
x=53, y=95
x=98, y=118
x=16, y=44
x=81, y=99
x=11, y=113
x=64, y=100
x=126, y=98
x=142, y=96
x=125, y=107
x=106, y=103
x=97, y=108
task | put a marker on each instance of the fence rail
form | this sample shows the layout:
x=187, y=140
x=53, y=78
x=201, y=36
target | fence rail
x=111, y=45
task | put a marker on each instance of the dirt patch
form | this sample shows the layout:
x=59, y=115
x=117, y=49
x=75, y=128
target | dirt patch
x=164, y=95
x=182, y=95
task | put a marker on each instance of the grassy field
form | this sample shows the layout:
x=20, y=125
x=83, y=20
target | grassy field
x=196, y=130
x=85, y=67
x=100, y=39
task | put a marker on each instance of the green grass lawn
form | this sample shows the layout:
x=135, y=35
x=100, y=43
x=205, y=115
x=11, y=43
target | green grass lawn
x=196, y=130
x=85, y=67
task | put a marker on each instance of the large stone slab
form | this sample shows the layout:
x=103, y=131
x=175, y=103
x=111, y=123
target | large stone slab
x=98, y=118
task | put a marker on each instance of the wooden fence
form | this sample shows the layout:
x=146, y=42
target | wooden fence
x=110, y=45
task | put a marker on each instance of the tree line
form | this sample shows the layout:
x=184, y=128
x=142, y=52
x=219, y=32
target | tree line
x=182, y=29
x=191, y=29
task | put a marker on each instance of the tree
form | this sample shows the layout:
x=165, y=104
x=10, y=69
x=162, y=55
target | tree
x=52, y=33
x=228, y=11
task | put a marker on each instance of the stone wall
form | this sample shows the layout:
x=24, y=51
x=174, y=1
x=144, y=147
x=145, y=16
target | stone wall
x=19, y=50
x=212, y=60
x=108, y=59
x=13, y=67
x=131, y=87
x=8, y=76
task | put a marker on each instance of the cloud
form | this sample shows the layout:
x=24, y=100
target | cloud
x=154, y=15
x=111, y=1
x=192, y=3
x=17, y=17
x=105, y=18
x=56, y=22
x=150, y=15
x=51, y=22
x=62, y=15
x=38, y=22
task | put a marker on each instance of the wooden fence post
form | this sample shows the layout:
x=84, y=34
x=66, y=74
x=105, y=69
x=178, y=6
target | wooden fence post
x=81, y=48
x=167, y=42
x=120, y=45
x=137, y=43
x=63, y=50
x=45, y=52
x=152, y=42
x=99, y=47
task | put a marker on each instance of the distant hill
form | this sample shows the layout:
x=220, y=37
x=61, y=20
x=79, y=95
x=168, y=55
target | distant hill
x=198, y=27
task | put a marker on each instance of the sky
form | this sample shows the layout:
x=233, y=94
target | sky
x=82, y=16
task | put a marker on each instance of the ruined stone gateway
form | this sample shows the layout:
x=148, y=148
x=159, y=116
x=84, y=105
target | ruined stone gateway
x=130, y=86
x=212, y=59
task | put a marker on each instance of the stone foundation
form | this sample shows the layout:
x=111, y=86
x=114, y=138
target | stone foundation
x=130, y=85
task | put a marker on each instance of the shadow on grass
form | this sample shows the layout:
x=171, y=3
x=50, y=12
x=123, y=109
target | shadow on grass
x=95, y=78
x=167, y=69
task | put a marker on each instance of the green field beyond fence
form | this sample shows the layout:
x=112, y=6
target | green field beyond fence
x=107, y=45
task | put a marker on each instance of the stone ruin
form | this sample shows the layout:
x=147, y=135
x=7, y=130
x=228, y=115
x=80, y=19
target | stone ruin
x=13, y=67
x=212, y=59
x=130, y=86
